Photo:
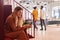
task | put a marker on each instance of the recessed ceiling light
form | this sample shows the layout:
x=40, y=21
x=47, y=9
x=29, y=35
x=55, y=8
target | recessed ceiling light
x=27, y=3
x=37, y=3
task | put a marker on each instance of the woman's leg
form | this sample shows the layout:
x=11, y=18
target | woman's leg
x=20, y=35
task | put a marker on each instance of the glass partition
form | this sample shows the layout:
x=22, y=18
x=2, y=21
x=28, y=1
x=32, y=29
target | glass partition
x=56, y=13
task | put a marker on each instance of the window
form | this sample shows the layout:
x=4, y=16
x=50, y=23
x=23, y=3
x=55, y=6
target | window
x=56, y=12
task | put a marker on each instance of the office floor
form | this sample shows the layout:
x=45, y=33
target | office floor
x=52, y=33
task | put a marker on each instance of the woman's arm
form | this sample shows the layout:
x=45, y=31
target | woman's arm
x=12, y=24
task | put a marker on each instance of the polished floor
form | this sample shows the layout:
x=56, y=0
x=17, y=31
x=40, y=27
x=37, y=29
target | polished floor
x=52, y=33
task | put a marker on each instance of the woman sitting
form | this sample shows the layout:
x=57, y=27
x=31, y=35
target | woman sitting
x=13, y=25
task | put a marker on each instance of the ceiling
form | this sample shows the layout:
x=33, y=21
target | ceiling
x=31, y=3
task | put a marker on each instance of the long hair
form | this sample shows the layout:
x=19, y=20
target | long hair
x=16, y=10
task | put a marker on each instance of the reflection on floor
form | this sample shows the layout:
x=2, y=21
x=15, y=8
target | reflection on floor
x=52, y=33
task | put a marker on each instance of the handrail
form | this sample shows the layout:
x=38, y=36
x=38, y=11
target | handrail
x=22, y=6
x=28, y=13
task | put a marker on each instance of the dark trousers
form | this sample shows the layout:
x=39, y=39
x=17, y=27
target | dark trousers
x=43, y=23
x=34, y=24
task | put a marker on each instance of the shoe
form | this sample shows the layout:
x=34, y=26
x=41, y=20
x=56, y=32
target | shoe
x=41, y=29
x=45, y=29
x=36, y=28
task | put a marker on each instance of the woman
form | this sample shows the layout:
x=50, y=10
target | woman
x=13, y=28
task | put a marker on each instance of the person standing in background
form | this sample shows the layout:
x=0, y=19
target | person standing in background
x=35, y=16
x=42, y=18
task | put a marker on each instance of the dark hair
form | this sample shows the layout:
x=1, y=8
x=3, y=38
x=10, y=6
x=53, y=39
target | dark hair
x=34, y=7
x=18, y=8
x=41, y=7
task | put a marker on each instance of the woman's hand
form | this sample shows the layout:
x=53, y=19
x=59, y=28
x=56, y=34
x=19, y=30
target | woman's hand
x=26, y=26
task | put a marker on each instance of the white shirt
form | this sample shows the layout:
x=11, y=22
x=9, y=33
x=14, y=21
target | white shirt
x=42, y=14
